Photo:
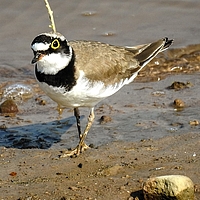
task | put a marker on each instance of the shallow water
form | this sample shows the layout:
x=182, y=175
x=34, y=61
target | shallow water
x=139, y=115
x=114, y=21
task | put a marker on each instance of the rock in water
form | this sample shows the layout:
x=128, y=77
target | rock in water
x=176, y=187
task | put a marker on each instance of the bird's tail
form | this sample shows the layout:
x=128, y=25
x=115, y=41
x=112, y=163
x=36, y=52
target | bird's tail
x=145, y=53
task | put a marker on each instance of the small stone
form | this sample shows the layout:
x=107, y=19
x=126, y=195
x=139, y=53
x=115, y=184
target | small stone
x=176, y=187
x=73, y=188
x=178, y=103
x=8, y=107
x=42, y=102
x=194, y=123
x=13, y=174
x=109, y=33
x=180, y=85
x=111, y=171
x=3, y=127
x=122, y=187
x=105, y=119
x=80, y=165
x=129, y=105
x=158, y=93
x=91, y=145
x=88, y=13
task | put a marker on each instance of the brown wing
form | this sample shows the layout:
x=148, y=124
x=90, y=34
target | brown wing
x=104, y=62
x=111, y=64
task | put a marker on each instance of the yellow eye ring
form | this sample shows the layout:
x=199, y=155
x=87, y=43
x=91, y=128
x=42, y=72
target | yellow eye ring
x=55, y=44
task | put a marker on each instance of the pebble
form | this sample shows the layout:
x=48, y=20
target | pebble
x=176, y=187
x=194, y=122
x=109, y=33
x=178, y=103
x=80, y=165
x=158, y=93
x=3, y=127
x=111, y=171
x=88, y=13
x=73, y=188
x=105, y=119
x=8, y=107
x=180, y=85
x=40, y=101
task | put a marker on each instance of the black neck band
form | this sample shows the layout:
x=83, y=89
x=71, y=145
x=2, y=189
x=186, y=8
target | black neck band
x=64, y=78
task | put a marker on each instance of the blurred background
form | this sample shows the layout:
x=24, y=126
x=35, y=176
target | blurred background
x=116, y=22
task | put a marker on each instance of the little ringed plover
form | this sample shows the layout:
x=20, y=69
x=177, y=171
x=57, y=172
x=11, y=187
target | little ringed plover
x=82, y=73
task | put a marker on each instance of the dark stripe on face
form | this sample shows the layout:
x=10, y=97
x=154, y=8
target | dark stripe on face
x=42, y=39
x=63, y=47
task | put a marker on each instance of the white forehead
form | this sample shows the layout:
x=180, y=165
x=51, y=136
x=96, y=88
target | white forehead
x=40, y=46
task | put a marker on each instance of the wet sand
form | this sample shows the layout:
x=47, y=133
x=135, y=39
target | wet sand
x=146, y=135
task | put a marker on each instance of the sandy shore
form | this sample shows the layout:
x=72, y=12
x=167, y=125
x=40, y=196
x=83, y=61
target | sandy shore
x=113, y=171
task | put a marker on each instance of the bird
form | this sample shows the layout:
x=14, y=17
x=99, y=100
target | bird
x=81, y=73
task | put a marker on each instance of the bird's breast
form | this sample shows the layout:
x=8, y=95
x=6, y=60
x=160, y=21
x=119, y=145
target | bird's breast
x=84, y=93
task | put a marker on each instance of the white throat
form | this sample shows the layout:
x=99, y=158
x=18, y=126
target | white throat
x=54, y=62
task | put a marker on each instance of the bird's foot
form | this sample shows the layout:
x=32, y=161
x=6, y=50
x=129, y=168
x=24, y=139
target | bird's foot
x=75, y=152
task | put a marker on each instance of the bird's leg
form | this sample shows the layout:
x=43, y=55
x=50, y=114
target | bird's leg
x=81, y=146
x=77, y=115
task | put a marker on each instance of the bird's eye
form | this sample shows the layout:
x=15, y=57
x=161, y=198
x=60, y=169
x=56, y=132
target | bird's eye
x=55, y=44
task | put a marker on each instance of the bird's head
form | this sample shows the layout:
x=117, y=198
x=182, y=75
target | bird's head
x=51, y=52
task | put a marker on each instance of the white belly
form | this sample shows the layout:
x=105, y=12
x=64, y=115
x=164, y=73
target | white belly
x=84, y=93
x=70, y=99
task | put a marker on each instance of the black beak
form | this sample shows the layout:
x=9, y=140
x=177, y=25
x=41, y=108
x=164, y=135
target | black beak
x=37, y=57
